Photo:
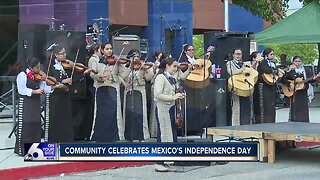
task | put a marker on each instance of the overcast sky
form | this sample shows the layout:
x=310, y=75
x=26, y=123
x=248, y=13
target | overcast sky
x=295, y=4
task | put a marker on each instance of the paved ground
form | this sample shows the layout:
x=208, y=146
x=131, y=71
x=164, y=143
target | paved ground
x=300, y=163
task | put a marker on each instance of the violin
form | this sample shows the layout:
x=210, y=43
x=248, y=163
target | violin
x=184, y=66
x=179, y=111
x=41, y=76
x=142, y=65
x=78, y=67
x=112, y=60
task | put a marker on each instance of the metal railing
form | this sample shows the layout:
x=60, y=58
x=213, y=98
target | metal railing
x=8, y=99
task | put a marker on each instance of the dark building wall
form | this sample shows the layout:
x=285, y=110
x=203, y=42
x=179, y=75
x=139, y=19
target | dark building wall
x=167, y=24
x=9, y=17
x=72, y=13
x=35, y=11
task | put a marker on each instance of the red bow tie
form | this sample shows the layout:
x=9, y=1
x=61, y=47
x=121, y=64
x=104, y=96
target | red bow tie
x=30, y=75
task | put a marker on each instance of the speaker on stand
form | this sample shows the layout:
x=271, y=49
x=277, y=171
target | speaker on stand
x=117, y=44
x=220, y=102
x=32, y=36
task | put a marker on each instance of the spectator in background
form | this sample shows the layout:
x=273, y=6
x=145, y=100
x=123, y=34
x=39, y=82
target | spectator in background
x=284, y=63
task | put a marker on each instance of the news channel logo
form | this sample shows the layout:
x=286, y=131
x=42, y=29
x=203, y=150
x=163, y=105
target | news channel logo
x=40, y=151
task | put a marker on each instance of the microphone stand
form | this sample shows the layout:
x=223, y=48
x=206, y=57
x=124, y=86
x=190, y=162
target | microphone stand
x=132, y=99
x=251, y=101
x=292, y=101
x=162, y=18
x=203, y=91
x=181, y=53
x=232, y=84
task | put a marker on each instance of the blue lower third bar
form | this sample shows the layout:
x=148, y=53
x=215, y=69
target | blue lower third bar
x=159, y=152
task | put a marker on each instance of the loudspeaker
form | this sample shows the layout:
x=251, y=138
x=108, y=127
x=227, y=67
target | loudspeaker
x=31, y=42
x=224, y=43
x=197, y=139
x=72, y=41
x=310, y=70
x=117, y=44
x=144, y=48
x=221, y=102
x=200, y=107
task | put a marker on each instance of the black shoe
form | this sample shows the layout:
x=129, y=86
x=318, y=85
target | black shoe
x=221, y=162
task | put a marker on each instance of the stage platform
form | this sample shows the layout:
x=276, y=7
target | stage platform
x=267, y=134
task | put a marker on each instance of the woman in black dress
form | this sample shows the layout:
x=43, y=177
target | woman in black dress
x=108, y=124
x=29, y=89
x=299, y=109
x=266, y=111
x=60, y=114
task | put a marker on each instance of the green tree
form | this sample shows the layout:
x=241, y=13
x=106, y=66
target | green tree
x=308, y=52
x=270, y=10
x=198, y=42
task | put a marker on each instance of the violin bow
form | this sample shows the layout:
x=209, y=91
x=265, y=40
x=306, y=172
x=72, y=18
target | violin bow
x=143, y=64
x=124, y=43
x=50, y=60
x=74, y=64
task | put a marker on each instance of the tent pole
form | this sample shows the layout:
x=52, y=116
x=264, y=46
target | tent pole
x=318, y=67
x=226, y=15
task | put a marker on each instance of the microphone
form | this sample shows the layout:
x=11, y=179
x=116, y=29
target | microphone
x=50, y=48
x=209, y=50
x=246, y=80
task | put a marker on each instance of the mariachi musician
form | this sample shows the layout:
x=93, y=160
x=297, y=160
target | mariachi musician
x=31, y=84
x=165, y=94
x=299, y=102
x=60, y=112
x=93, y=61
x=135, y=112
x=108, y=124
x=241, y=105
x=266, y=111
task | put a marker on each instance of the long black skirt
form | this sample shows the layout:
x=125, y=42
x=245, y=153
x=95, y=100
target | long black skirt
x=105, y=125
x=299, y=107
x=60, y=119
x=28, y=129
x=134, y=116
x=265, y=105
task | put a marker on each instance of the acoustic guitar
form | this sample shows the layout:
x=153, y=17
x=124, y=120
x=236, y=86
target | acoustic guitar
x=199, y=76
x=271, y=79
x=295, y=85
x=243, y=84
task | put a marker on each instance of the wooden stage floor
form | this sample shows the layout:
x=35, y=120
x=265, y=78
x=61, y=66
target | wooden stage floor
x=268, y=133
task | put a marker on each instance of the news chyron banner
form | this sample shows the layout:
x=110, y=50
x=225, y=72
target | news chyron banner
x=142, y=152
